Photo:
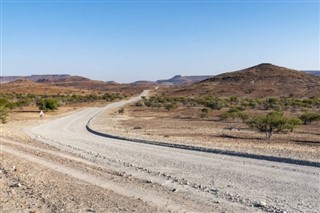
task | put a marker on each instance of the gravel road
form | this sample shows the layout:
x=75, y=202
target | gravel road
x=179, y=180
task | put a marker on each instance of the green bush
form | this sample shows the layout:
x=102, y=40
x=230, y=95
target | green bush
x=3, y=114
x=47, y=104
x=273, y=122
x=309, y=117
x=170, y=106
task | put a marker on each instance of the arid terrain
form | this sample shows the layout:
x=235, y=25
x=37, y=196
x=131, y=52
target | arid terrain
x=185, y=127
x=60, y=166
x=157, y=152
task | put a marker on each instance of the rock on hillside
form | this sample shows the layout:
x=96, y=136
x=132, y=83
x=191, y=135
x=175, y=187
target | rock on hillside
x=257, y=81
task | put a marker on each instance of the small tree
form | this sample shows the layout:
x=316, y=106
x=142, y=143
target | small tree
x=273, y=122
x=309, y=117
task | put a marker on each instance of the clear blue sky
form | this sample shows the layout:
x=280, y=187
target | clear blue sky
x=134, y=40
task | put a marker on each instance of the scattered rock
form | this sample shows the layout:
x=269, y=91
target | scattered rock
x=15, y=184
x=260, y=204
x=214, y=190
x=174, y=190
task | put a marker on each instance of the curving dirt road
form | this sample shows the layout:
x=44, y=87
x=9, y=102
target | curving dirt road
x=173, y=179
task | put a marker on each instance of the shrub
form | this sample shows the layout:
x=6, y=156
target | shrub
x=273, y=122
x=309, y=117
x=204, y=113
x=47, y=104
x=139, y=104
x=231, y=113
x=170, y=106
x=243, y=116
x=121, y=111
x=3, y=114
x=24, y=102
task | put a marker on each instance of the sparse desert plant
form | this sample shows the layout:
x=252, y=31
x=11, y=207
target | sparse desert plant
x=139, y=104
x=25, y=101
x=231, y=113
x=3, y=114
x=243, y=116
x=309, y=117
x=121, y=111
x=47, y=104
x=204, y=113
x=213, y=104
x=170, y=106
x=7, y=103
x=273, y=122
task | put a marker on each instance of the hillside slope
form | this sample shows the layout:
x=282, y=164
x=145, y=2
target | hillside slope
x=257, y=81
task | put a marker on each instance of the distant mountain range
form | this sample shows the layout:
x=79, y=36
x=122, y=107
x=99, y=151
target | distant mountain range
x=313, y=72
x=35, y=78
x=257, y=81
x=69, y=80
x=179, y=80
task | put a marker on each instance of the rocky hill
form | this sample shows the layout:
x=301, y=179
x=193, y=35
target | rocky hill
x=258, y=81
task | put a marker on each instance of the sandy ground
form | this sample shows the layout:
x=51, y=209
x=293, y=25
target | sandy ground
x=29, y=182
x=184, y=128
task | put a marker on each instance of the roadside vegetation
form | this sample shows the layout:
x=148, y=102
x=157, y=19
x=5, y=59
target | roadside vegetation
x=268, y=115
x=10, y=102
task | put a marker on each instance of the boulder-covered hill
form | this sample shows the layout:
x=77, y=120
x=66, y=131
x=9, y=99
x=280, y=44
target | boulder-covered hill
x=263, y=80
